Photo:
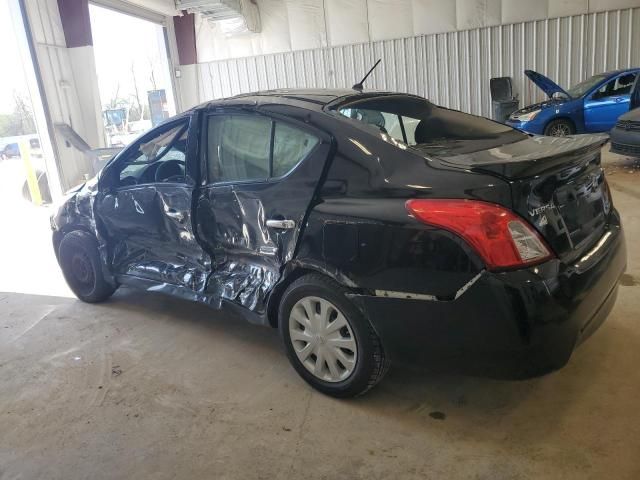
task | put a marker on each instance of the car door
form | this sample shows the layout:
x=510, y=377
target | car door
x=145, y=203
x=635, y=94
x=260, y=177
x=603, y=106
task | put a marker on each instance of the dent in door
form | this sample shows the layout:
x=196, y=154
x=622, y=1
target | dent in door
x=246, y=253
x=157, y=240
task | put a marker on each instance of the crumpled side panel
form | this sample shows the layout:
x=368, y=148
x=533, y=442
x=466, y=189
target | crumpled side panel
x=246, y=254
x=78, y=213
x=151, y=236
x=146, y=240
x=245, y=284
x=251, y=229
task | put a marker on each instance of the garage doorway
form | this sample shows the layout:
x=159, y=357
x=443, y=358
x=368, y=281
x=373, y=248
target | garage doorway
x=26, y=154
x=134, y=75
x=28, y=172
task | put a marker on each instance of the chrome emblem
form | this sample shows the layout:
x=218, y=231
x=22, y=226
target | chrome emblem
x=543, y=221
x=538, y=210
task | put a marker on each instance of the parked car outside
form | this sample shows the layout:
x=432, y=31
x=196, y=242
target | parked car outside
x=35, y=148
x=11, y=150
x=370, y=228
x=592, y=105
x=625, y=136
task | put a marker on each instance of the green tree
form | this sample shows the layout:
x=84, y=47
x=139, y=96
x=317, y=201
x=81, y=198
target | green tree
x=21, y=121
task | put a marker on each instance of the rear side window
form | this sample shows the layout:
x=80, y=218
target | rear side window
x=252, y=147
x=239, y=147
x=290, y=147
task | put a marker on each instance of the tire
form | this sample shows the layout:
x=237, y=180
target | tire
x=353, y=349
x=559, y=128
x=82, y=267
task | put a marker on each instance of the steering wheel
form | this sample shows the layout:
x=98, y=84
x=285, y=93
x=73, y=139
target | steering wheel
x=171, y=170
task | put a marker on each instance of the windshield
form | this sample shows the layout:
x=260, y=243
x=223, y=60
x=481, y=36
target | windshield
x=583, y=87
x=420, y=124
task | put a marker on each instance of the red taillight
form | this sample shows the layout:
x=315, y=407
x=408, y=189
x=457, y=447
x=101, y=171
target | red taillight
x=502, y=238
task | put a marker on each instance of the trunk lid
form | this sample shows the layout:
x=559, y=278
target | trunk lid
x=557, y=184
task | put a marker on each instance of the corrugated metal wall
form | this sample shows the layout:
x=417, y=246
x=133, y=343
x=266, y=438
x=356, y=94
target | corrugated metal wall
x=451, y=69
x=59, y=86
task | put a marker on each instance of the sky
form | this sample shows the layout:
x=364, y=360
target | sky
x=12, y=77
x=121, y=41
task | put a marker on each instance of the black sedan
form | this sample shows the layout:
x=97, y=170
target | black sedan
x=368, y=227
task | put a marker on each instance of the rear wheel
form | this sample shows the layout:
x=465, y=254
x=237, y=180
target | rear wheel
x=559, y=128
x=82, y=267
x=328, y=341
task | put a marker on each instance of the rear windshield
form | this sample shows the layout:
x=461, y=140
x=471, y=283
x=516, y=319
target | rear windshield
x=420, y=124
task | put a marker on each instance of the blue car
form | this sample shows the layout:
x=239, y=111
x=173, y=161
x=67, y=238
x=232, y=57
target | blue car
x=10, y=150
x=593, y=105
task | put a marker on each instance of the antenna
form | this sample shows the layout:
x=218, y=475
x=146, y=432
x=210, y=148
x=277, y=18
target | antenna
x=358, y=86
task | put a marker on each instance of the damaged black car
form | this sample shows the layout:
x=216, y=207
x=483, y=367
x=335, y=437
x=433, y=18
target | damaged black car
x=370, y=228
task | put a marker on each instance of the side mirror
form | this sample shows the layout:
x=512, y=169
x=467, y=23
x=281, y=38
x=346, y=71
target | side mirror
x=559, y=96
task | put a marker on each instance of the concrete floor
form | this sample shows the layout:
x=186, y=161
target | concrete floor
x=145, y=386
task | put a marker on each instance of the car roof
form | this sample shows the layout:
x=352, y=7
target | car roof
x=313, y=95
x=611, y=73
x=312, y=98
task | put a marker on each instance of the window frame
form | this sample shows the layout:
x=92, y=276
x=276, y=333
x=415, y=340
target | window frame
x=594, y=97
x=204, y=163
x=122, y=157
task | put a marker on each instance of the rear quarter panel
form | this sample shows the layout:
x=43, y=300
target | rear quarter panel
x=352, y=242
x=360, y=233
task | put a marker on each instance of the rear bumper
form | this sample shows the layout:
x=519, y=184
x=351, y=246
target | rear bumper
x=514, y=324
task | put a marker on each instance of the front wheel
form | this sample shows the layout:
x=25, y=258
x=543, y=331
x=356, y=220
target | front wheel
x=559, y=128
x=82, y=267
x=328, y=340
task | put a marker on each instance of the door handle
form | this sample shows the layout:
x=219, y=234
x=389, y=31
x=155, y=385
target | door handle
x=175, y=214
x=282, y=224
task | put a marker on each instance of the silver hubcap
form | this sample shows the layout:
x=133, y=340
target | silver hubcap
x=322, y=339
x=560, y=130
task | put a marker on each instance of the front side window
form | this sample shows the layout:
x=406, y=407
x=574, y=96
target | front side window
x=156, y=159
x=244, y=147
x=621, y=85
